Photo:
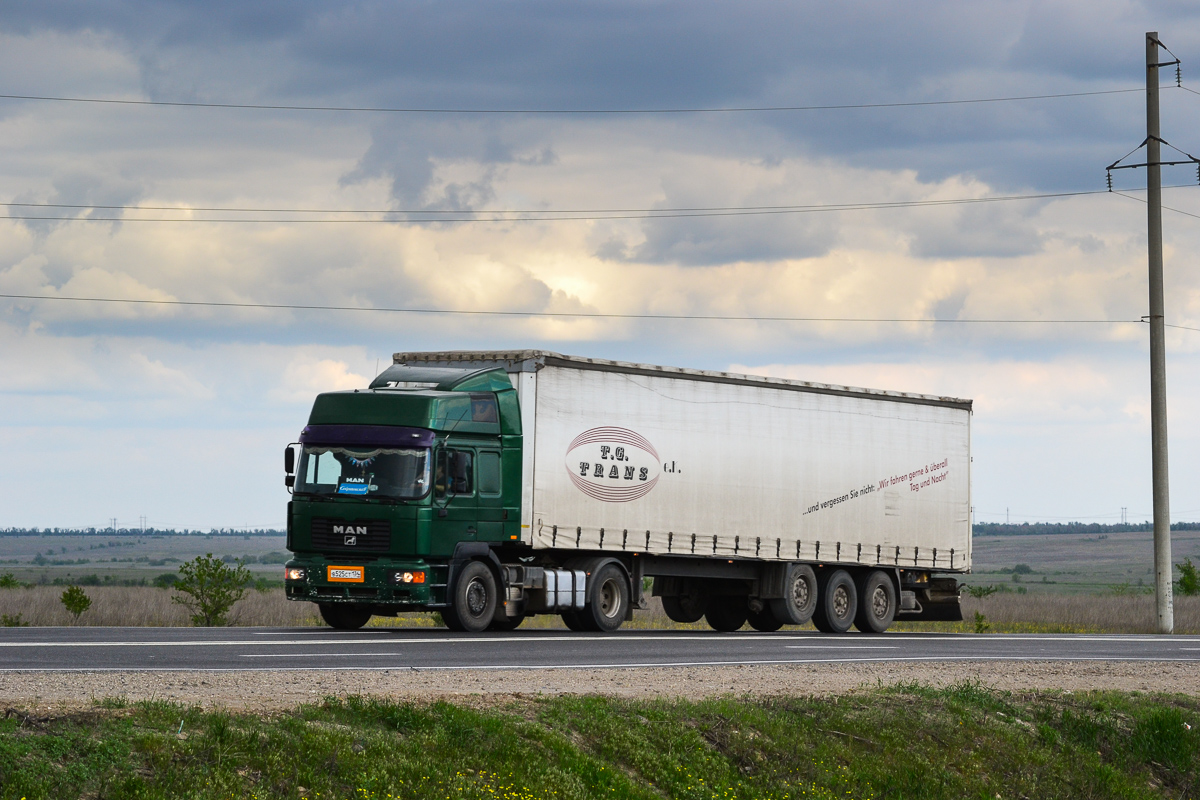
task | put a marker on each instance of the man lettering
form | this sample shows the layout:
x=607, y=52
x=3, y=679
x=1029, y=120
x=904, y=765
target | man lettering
x=599, y=473
x=583, y=468
x=629, y=473
x=614, y=473
x=604, y=451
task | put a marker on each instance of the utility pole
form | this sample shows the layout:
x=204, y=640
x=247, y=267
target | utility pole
x=1158, y=348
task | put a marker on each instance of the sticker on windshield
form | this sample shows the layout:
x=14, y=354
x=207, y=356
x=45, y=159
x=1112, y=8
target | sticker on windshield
x=353, y=486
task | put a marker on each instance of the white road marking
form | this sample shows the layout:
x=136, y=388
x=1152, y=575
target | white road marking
x=629, y=665
x=841, y=647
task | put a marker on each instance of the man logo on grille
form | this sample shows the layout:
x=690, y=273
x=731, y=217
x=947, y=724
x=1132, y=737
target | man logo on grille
x=350, y=540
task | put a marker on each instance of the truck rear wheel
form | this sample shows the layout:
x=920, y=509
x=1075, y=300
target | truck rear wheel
x=837, y=602
x=727, y=614
x=607, y=602
x=685, y=607
x=344, y=617
x=764, y=620
x=474, y=600
x=876, y=602
x=799, y=599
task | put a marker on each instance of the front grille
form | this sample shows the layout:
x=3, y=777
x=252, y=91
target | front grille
x=352, y=536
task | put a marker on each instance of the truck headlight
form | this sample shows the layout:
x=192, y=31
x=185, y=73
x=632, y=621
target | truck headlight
x=408, y=577
x=294, y=573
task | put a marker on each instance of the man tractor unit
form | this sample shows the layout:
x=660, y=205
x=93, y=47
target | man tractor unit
x=490, y=487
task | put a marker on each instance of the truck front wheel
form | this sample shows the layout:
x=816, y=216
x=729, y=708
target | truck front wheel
x=474, y=601
x=876, y=602
x=344, y=617
x=608, y=600
x=837, y=602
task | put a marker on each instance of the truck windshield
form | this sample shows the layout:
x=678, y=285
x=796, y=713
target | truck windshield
x=401, y=473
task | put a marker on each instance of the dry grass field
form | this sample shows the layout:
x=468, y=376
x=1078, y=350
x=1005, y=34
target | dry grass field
x=1013, y=613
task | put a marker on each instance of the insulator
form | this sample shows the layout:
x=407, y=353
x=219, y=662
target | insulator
x=1108, y=176
x=1178, y=76
x=1198, y=173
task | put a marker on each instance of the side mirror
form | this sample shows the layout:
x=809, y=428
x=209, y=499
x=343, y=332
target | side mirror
x=289, y=460
x=289, y=481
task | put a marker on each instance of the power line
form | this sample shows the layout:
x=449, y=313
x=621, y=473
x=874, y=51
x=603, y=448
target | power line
x=584, y=215
x=649, y=212
x=559, y=111
x=564, y=314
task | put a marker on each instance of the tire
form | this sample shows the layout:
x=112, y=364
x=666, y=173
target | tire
x=572, y=621
x=799, y=599
x=685, y=607
x=764, y=620
x=727, y=614
x=608, y=600
x=876, y=602
x=474, y=600
x=344, y=617
x=837, y=602
x=507, y=624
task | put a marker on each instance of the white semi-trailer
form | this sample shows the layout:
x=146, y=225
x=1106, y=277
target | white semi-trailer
x=744, y=498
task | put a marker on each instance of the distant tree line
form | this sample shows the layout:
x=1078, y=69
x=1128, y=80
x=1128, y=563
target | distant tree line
x=1043, y=528
x=140, y=532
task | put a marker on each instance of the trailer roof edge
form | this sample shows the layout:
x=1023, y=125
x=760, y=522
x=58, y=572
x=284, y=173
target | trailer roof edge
x=533, y=360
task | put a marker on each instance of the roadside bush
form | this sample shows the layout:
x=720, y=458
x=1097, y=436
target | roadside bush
x=981, y=591
x=208, y=587
x=12, y=621
x=1188, y=585
x=76, y=601
x=7, y=581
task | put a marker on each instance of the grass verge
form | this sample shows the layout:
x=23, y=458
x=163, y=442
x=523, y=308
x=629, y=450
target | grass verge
x=909, y=741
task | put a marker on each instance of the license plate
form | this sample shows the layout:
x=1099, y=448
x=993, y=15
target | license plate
x=345, y=574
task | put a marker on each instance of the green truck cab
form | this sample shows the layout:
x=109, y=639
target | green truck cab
x=397, y=487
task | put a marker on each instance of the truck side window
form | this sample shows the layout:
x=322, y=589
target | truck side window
x=489, y=473
x=455, y=473
x=483, y=408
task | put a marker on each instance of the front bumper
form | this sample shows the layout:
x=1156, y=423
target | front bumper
x=379, y=582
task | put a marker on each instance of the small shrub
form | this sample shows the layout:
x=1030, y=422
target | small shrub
x=981, y=623
x=209, y=587
x=7, y=581
x=166, y=580
x=1022, y=569
x=76, y=601
x=12, y=621
x=981, y=591
x=1188, y=585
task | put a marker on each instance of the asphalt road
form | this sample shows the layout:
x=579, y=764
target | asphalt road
x=90, y=649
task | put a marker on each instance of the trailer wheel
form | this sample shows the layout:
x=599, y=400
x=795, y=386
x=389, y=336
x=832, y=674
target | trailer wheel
x=764, y=620
x=837, y=602
x=727, y=614
x=685, y=607
x=607, y=602
x=344, y=617
x=877, y=602
x=799, y=599
x=474, y=599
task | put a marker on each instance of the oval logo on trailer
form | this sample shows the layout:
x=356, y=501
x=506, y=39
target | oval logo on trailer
x=613, y=465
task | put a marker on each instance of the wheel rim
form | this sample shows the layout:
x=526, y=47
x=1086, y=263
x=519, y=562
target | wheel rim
x=476, y=597
x=879, y=603
x=610, y=599
x=841, y=602
x=800, y=593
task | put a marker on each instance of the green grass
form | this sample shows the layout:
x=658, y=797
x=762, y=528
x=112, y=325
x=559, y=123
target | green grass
x=910, y=741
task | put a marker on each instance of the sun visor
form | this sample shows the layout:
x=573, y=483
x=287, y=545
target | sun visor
x=373, y=435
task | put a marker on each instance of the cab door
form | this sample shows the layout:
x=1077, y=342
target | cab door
x=455, y=504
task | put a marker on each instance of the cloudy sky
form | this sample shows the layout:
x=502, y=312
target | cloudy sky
x=180, y=414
